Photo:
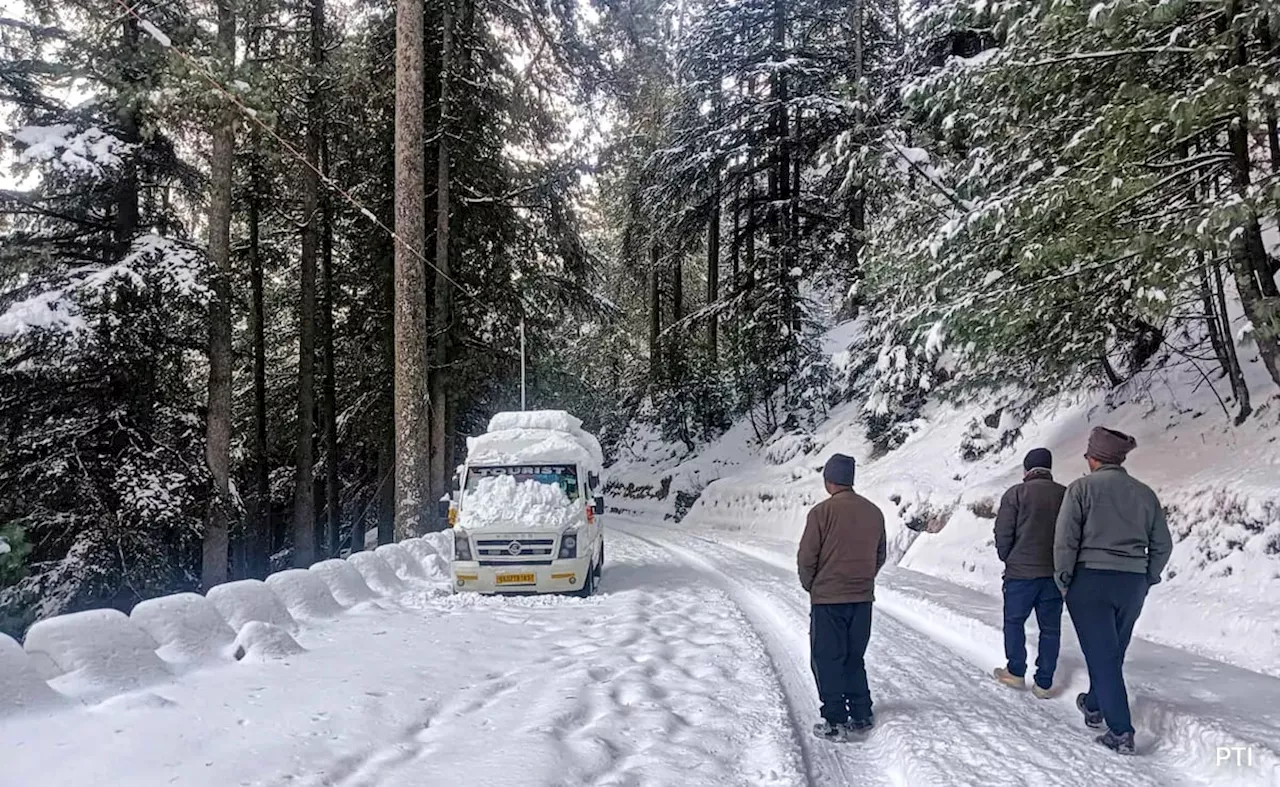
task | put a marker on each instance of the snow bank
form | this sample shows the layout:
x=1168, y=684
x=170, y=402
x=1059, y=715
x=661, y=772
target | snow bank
x=344, y=581
x=503, y=502
x=306, y=595
x=433, y=552
x=405, y=565
x=378, y=573
x=21, y=687
x=187, y=627
x=260, y=641
x=249, y=600
x=99, y=651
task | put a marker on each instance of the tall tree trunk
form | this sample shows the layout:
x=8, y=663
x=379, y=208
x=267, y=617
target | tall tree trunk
x=674, y=342
x=263, y=536
x=213, y=569
x=329, y=401
x=1255, y=280
x=1239, y=387
x=713, y=271
x=443, y=287
x=126, y=191
x=412, y=412
x=655, y=313
x=304, y=504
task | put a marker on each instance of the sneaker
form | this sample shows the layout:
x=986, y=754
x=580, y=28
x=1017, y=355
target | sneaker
x=1119, y=743
x=1009, y=679
x=831, y=732
x=862, y=726
x=1092, y=718
x=1042, y=694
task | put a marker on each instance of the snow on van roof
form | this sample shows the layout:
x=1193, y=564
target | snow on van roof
x=535, y=436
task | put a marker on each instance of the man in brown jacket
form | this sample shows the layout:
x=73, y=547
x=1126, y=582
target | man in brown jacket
x=841, y=551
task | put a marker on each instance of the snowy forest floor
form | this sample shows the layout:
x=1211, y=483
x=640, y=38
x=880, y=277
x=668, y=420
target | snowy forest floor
x=689, y=668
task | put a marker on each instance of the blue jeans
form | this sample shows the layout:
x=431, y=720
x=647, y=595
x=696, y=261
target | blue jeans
x=1021, y=596
x=838, y=636
x=1104, y=607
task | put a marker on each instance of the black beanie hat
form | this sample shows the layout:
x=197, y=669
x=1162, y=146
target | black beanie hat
x=1038, y=458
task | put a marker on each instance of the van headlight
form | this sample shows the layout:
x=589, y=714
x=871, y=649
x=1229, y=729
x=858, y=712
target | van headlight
x=569, y=545
x=461, y=545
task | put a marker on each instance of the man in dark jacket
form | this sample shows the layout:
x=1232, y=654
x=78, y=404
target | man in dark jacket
x=1111, y=544
x=841, y=551
x=1024, y=542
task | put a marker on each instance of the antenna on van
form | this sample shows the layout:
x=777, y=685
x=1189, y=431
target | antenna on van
x=522, y=384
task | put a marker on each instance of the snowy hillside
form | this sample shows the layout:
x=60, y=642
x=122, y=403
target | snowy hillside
x=1221, y=592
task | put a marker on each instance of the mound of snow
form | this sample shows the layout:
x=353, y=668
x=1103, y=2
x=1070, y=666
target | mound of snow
x=249, y=600
x=21, y=687
x=260, y=641
x=378, y=573
x=535, y=436
x=99, y=651
x=441, y=542
x=432, y=552
x=186, y=625
x=404, y=563
x=344, y=581
x=505, y=503
x=305, y=594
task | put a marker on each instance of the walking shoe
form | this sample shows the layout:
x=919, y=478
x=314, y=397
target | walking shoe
x=1118, y=743
x=831, y=732
x=862, y=726
x=1009, y=679
x=1042, y=694
x=1092, y=718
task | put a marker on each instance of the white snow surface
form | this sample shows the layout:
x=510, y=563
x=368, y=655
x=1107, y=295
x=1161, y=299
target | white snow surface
x=249, y=600
x=345, y=582
x=690, y=668
x=21, y=686
x=378, y=573
x=535, y=436
x=259, y=641
x=187, y=627
x=406, y=566
x=305, y=594
x=503, y=503
x=99, y=652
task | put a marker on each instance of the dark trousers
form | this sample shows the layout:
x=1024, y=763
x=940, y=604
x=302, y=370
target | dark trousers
x=838, y=636
x=1021, y=596
x=1104, y=607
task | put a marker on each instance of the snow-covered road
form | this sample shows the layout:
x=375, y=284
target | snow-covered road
x=689, y=668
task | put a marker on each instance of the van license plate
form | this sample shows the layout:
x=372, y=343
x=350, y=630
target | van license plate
x=516, y=579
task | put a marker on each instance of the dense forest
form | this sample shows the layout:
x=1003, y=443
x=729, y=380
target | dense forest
x=264, y=264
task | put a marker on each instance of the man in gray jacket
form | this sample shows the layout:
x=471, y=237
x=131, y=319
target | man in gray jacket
x=1111, y=544
x=1024, y=543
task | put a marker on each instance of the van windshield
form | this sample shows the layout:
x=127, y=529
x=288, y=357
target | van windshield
x=563, y=476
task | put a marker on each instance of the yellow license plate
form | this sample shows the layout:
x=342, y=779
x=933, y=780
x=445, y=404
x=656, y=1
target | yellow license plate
x=516, y=579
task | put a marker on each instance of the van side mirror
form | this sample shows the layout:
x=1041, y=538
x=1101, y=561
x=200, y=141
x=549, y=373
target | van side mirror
x=593, y=480
x=442, y=509
x=599, y=506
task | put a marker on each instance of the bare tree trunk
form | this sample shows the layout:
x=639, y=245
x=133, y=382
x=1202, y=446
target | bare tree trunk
x=304, y=504
x=713, y=270
x=1239, y=387
x=412, y=411
x=1254, y=278
x=218, y=423
x=265, y=539
x=443, y=288
x=126, y=191
x=329, y=401
x=655, y=313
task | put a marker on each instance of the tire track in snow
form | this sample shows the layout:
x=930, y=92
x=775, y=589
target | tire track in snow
x=938, y=721
x=825, y=763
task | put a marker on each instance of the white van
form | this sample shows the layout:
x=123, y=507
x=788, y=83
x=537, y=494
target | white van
x=527, y=509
